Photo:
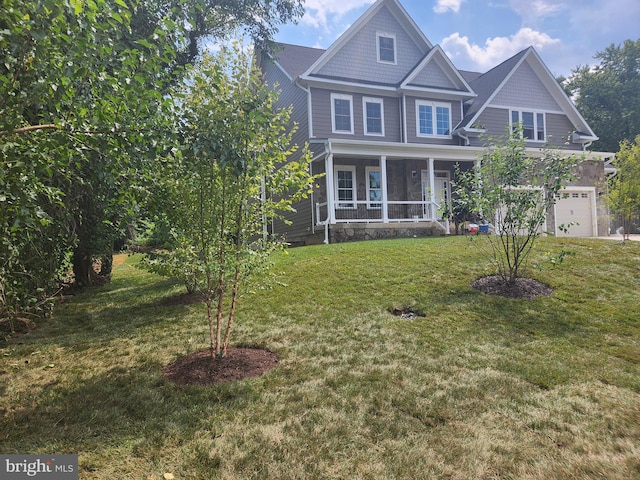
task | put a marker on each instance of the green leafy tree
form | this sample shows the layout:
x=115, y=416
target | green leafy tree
x=232, y=175
x=83, y=111
x=624, y=187
x=607, y=94
x=514, y=190
x=74, y=106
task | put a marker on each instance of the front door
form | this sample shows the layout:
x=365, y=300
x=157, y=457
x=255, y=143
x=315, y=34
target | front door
x=442, y=192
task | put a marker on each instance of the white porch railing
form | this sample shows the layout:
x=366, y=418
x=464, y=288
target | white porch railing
x=371, y=212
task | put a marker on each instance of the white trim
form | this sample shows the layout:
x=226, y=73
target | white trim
x=433, y=105
x=528, y=109
x=385, y=194
x=341, y=96
x=452, y=69
x=535, y=114
x=380, y=102
x=549, y=81
x=371, y=204
x=392, y=36
x=343, y=205
x=398, y=11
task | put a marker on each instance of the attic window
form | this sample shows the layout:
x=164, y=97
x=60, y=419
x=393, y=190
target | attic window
x=386, y=46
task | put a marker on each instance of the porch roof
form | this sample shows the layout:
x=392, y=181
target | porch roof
x=400, y=151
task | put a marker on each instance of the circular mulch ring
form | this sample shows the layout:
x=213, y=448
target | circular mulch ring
x=522, y=288
x=200, y=369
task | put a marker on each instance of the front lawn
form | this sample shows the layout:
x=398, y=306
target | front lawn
x=480, y=387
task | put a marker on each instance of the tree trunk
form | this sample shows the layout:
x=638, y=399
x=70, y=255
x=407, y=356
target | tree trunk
x=82, y=267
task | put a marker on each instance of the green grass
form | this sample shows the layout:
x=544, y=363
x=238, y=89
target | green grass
x=480, y=388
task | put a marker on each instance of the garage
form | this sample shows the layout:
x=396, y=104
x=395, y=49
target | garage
x=578, y=207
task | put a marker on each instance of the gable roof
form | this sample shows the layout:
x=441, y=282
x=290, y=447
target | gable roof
x=400, y=14
x=295, y=59
x=444, y=77
x=491, y=84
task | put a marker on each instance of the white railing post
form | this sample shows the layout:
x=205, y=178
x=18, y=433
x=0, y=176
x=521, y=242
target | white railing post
x=383, y=182
x=432, y=191
x=328, y=166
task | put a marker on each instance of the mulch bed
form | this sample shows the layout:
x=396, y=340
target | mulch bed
x=199, y=369
x=522, y=288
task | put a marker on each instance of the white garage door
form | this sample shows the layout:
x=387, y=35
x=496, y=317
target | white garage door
x=576, y=208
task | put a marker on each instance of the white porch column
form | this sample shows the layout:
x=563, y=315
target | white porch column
x=328, y=168
x=383, y=185
x=432, y=190
x=477, y=164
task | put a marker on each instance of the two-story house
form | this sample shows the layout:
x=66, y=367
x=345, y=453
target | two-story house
x=387, y=116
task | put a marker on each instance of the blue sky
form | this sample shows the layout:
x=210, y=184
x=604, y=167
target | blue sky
x=479, y=34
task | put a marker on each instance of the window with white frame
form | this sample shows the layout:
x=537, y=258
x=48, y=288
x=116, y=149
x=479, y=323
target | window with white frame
x=373, y=115
x=386, y=47
x=433, y=119
x=374, y=187
x=341, y=113
x=345, y=186
x=533, y=124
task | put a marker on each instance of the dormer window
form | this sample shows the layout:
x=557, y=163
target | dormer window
x=386, y=47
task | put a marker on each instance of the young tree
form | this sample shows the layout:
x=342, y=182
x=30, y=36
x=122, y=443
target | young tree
x=513, y=190
x=231, y=177
x=624, y=187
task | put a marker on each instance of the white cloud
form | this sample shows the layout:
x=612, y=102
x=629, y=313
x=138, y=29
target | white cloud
x=320, y=13
x=443, y=6
x=495, y=50
x=533, y=10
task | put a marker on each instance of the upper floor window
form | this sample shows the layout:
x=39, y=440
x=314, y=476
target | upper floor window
x=373, y=114
x=386, y=46
x=433, y=119
x=341, y=113
x=533, y=125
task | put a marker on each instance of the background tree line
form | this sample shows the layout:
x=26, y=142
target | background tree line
x=607, y=94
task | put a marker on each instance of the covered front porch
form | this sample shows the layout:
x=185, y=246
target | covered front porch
x=386, y=190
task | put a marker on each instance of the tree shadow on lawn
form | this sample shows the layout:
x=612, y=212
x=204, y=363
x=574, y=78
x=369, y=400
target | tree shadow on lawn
x=513, y=319
x=123, y=407
x=107, y=312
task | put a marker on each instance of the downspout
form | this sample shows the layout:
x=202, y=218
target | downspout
x=307, y=90
x=467, y=142
x=403, y=108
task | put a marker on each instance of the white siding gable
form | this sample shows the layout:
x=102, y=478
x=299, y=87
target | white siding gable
x=525, y=90
x=358, y=58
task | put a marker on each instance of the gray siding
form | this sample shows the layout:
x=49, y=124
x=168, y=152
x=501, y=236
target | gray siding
x=559, y=128
x=496, y=121
x=289, y=95
x=433, y=76
x=525, y=90
x=321, y=108
x=412, y=136
x=358, y=58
